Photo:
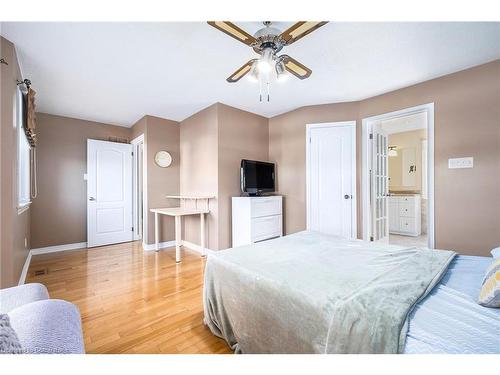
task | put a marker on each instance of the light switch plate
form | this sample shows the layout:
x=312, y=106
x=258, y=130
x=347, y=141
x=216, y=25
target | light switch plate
x=85, y=176
x=455, y=163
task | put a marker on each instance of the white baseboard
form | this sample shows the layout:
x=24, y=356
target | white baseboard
x=187, y=244
x=195, y=247
x=54, y=249
x=162, y=245
x=24, y=273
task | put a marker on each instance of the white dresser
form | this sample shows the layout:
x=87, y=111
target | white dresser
x=256, y=219
x=405, y=215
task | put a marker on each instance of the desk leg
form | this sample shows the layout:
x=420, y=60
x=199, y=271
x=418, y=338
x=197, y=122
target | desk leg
x=202, y=234
x=157, y=232
x=178, y=239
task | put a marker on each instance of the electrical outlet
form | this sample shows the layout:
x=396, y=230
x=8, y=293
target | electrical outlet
x=455, y=163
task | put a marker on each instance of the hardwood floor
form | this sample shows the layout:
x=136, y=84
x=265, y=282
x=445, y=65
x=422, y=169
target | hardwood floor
x=132, y=301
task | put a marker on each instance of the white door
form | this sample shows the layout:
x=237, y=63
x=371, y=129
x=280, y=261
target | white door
x=380, y=185
x=331, y=178
x=109, y=193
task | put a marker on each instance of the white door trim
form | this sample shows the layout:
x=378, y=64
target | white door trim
x=136, y=142
x=352, y=126
x=366, y=159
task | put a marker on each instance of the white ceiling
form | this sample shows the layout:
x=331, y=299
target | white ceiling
x=118, y=72
x=405, y=123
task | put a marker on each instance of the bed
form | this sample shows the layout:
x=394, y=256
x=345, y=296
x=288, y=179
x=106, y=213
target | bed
x=313, y=293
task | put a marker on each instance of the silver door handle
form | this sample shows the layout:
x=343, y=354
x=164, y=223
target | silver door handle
x=91, y=199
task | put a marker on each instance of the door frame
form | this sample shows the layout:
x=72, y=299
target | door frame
x=366, y=159
x=352, y=126
x=136, y=190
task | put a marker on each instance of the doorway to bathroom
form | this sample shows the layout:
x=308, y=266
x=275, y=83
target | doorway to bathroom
x=397, y=177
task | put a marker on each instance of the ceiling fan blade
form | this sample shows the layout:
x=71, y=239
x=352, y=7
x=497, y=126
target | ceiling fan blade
x=237, y=75
x=234, y=31
x=297, y=69
x=299, y=30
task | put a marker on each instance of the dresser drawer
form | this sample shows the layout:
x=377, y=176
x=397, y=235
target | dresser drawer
x=393, y=199
x=265, y=206
x=406, y=199
x=407, y=224
x=266, y=227
x=406, y=210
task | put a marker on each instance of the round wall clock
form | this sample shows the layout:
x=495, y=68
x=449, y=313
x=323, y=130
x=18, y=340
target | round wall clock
x=163, y=159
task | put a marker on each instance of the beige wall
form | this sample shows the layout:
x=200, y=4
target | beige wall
x=199, y=170
x=210, y=144
x=411, y=140
x=287, y=147
x=14, y=227
x=213, y=142
x=62, y=161
x=59, y=214
x=140, y=127
x=242, y=135
x=467, y=123
x=161, y=135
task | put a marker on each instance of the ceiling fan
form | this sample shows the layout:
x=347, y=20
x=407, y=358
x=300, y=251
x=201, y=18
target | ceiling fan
x=267, y=42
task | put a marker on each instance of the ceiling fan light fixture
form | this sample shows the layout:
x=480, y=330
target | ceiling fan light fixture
x=264, y=66
x=282, y=78
x=392, y=151
x=265, y=63
x=281, y=73
x=253, y=76
x=267, y=42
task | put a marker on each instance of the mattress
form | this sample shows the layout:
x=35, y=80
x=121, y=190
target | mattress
x=313, y=293
x=449, y=320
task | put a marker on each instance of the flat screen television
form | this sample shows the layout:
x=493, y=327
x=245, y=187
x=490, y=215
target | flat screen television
x=257, y=177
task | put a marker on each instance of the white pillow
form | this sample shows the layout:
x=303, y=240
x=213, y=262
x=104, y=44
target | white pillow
x=495, y=253
x=489, y=295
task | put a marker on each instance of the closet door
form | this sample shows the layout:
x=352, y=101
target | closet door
x=109, y=193
x=331, y=179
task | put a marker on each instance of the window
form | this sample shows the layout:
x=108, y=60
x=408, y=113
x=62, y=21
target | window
x=23, y=156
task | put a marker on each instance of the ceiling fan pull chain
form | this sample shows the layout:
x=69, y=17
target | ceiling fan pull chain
x=260, y=88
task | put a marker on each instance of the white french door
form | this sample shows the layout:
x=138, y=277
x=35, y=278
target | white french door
x=331, y=178
x=109, y=193
x=379, y=185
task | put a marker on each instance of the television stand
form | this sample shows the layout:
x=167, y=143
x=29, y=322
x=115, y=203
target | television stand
x=256, y=218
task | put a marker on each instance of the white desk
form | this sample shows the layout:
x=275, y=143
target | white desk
x=177, y=213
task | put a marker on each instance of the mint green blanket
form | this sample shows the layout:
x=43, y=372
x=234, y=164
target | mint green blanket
x=312, y=293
